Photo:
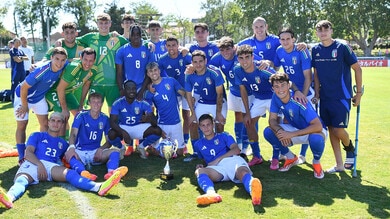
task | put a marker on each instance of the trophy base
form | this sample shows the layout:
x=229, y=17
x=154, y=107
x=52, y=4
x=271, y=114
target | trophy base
x=164, y=176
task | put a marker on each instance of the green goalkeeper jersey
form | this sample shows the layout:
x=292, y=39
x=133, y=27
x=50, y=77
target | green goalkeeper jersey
x=105, y=47
x=76, y=77
x=73, y=52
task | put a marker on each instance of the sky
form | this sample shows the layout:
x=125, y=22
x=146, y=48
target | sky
x=186, y=9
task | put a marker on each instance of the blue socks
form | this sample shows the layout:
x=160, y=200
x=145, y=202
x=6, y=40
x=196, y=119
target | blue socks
x=205, y=183
x=246, y=180
x=79, y=182
x=113, y=161
x=21, y=148
x=76, y=165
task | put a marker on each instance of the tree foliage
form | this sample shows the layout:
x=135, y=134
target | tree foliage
x=145, y=12
x=32, y=11
x=82, y=10
x=183, y=31
x=362, y=21
x=225, y=17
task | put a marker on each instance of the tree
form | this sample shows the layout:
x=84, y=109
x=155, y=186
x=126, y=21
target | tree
x=145, y=12
x=183, y=30
x=225, y=17
x=362, y=21
x=32, y=11
x=83, y=12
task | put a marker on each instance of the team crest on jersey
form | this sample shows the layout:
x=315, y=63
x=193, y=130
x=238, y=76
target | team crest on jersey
x=136, y=110
x=294, y=60
x=334, y=53
x=257, y=79
x=162, y=47
x=208, y=81
x=290, y=112
x=167, y=86
x=112, y=43
x=101, y=125
x=268, y=45
x=216, y=142
x=181, y=62
x=143, y=54
x=60, y=145
x=210, y=52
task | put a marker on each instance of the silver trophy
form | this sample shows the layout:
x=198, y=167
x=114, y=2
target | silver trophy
x=167, y=150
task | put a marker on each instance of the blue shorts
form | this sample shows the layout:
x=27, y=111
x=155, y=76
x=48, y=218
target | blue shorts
x=335, y=113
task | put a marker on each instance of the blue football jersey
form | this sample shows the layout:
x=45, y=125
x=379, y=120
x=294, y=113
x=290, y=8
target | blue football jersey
x=130, y=114
x=47, y=147
x=174, y=68
x=210, y=49
x=209, y=150
x=266, y=48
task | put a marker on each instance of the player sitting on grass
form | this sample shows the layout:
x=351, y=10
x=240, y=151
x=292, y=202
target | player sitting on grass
x=43, y=153
x=220, y=152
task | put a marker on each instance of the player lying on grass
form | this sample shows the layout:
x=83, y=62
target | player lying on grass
x=43, y=153
x=220, y=153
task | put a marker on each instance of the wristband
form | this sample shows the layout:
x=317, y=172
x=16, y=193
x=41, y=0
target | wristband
x=71, y=146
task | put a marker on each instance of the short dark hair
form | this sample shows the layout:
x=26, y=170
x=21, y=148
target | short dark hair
x=88, y=51
x=69, y=25
x=279, y=76
x=206, y=116
x=244, y=49
x=324, y=24
x=204, y=26
x=128, y=83
x=225, y=42
x=59, y=50
x=173, y=38
x=198, y=53
x=128, y=17
x=286, y=30
x=95, y=95
x=154, y=23
x=103, y=17
x=151, y=65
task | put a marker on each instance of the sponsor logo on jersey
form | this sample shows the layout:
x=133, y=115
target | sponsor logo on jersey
x=244, y=79
x=216, y=142
x=45, y=141
x=143, y=54
x=282, y=60
x=196, y=84
x=334, y=53
x=258, y=80
x=268, y=45
x=204, y=148
x=294, y=60
x=167, y=86
x=101, y=125
x=169, y=67
x=136, y=110
x=129, y=55
x=124, y=110
x=208, y=81
x=223, y=66
x=87, y=125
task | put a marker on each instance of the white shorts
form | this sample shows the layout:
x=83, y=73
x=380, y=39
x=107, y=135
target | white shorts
x=234, y=103
x=39, y=108
x=136, y=131
x=228, y=167
x=304, y=139
x=87, y=156
x=201, y=109
x=183, y=102
x=257, y=107
x=32, y=170
x=175, y=132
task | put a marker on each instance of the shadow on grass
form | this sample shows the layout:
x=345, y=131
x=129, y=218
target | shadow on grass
x=299, y=185
x=6, y=105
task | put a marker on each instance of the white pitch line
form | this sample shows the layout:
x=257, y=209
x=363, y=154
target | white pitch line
x=82, y=203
